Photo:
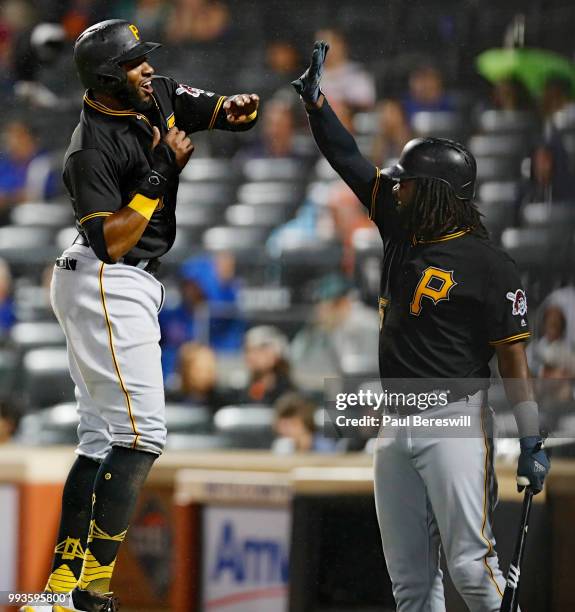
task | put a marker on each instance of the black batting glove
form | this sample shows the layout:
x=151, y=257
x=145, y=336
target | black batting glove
x=307, y=85
x=533, y=464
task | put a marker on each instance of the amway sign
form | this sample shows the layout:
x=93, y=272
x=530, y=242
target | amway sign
x=245, y=559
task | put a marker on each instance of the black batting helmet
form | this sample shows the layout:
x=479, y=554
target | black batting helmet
x=437, y=158
x=102, y=48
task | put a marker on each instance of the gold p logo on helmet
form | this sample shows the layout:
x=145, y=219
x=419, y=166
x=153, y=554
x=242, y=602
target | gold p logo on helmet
x=135, y=31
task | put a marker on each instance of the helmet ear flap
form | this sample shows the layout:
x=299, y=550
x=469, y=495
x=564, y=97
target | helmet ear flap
x=110, y=82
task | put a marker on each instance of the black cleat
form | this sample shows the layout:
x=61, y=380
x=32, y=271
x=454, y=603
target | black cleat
x=88, y=601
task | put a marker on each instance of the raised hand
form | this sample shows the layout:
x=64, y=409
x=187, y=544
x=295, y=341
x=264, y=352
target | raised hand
x=307, y=85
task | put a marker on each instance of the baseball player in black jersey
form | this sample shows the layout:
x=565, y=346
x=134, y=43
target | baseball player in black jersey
x=449, y=300
x=121, y=170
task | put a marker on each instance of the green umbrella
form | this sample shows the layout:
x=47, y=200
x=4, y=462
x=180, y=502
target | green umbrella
x=531, y=66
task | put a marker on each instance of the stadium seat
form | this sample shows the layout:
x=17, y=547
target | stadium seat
x=439, y=124
x=199, y=215
x=35, y=334
x=65, y=237
x=49, y=426
x=499, y=145
x=368, y=249
x=27, y=248
x=543, y=213
x=269, y=193
x=497, y=168
x=491, y=192
x=302, y=260
x=33, y=303
x=246, y=426
x=46, y=377
x=498, y=121
x=234, y=239
x=197, y=442
x=531, y=237
x=257, y=216
x=8, y=372
x=188, y=419
x=497, y=216
x=366, y=122
x=280, y=169
x=48, y=214
x=209, y=169
x=219, y=193
x=323, y=171
x=564, y=120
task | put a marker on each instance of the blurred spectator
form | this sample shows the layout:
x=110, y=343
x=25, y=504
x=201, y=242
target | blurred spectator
x=344, y=80
x=426, y=92
x=348, y=214
x=393, y=132
x=330, y=212
x=77, y=15
x=197, y=21
x=265, y=352
x=557, y=96
x=5, y=58
x=150, y=15
x=296, y=428
x=27, y=171
x=551, y=179
x=35, y=50
x=555, y=387
x=511, y=95
x=555, y=325
x=340, y=337
x=9, y=419
x=198, y=377
x=271, y=72
x=276, y=133
x=7, y=309
x=207, y=312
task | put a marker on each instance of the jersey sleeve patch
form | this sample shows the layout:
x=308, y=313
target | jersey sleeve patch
x=193, y=91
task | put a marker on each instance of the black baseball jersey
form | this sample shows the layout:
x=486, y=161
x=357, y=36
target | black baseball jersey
x=444, y=304
x=110, y=153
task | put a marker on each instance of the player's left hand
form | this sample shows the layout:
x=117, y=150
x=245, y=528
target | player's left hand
x=533, y=464
x=241, y=107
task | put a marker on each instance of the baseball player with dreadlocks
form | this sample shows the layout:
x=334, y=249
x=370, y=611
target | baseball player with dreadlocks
x=121, y=170
x=449, y=301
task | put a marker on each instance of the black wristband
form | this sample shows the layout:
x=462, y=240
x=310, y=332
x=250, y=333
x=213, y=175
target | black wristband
x=163, y=170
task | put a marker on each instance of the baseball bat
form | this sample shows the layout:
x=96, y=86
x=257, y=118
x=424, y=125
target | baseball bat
x=510, y=600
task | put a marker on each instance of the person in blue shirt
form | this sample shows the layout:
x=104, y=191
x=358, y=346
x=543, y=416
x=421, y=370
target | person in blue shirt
x=207, y=312
x=27, y=171
x=7, y=310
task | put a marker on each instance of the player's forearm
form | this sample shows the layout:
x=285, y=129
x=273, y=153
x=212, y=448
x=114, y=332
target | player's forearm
x=515, y=373
x=123, y=230
x=340, y=149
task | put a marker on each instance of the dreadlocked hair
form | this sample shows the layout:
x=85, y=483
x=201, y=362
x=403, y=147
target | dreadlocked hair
x=436, y=210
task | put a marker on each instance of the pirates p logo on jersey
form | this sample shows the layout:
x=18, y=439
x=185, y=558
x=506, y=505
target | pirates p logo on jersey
x=435, y=284
x=519, y=302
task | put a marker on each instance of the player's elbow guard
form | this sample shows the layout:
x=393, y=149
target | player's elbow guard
x=94, y=230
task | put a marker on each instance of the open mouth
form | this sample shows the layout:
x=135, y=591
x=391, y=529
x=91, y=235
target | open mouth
x=146, y=86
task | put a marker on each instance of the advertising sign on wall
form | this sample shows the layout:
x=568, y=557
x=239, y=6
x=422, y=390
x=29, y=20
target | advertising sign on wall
x=245, y=559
